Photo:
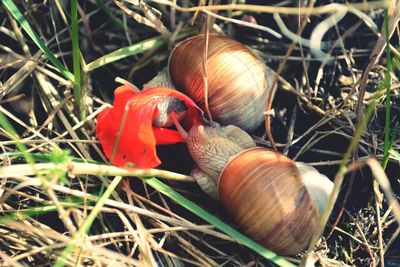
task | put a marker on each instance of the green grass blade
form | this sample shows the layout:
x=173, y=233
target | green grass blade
x=126, y=52
x=134, y=49
x=75, y=42
x=387, y=85
x=13, y=9
x=239, y=237
x=76, y=58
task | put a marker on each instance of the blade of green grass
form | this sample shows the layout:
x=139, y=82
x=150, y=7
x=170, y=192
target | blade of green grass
x=75, y=44
x=76, y=58
x=126, y=52
x=134, y=49
x=387, y=85
x=239, y=237
x=13, y=9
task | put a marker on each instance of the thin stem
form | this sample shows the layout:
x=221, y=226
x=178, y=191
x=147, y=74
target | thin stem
x=205, y=73
x=77, y=168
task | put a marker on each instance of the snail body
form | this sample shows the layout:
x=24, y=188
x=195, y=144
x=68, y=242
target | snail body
x=237, y=80
x=273, y=199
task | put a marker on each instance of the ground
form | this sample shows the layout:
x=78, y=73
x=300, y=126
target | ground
x=336, y=107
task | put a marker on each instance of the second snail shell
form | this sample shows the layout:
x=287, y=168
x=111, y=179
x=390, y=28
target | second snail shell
x=274, y=200
x=266, y=195
x=238, y=81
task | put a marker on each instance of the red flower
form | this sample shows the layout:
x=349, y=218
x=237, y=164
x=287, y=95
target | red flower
x=133, y=115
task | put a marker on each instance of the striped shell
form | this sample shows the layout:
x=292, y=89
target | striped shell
x=238, y=81
x=264, y=193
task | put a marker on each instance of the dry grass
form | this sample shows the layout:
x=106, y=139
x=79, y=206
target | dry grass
x=323, y=94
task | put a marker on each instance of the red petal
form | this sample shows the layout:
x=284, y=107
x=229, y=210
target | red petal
x=167, y=136
x=137, y=140
x=123, y=94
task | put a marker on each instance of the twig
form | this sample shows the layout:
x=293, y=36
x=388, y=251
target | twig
x=75, y=168
x=244, y=23
x=204, y=67
x=327, y=9
x=378, y=203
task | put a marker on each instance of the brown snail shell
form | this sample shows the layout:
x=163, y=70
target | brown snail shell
x=238, y=81
x=264, y=192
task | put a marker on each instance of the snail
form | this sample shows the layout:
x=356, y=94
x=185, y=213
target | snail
x=238, y=82
x=273, y=199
